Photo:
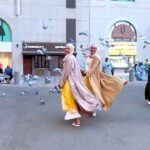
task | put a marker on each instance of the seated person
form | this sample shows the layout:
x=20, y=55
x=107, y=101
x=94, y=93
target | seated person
x=8, y=74
x=1, y=68
x=140, y=72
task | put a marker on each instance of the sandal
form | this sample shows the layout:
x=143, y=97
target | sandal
x=75, y=125
x=125, y=83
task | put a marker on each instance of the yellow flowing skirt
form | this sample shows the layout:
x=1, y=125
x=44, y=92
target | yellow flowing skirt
x=88, y=85
x=68, y=102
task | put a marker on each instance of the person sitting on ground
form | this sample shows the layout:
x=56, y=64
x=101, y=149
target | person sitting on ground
x=8, y=74
x=1, y=68
x=140, y=72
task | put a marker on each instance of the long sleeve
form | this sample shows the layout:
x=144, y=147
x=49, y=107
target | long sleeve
x=94, y=67
x=106, y=64
x=68, y=67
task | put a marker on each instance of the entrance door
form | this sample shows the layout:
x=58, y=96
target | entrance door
x=27, y=64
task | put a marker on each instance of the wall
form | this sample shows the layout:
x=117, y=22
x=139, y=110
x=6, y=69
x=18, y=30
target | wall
x=96, y=21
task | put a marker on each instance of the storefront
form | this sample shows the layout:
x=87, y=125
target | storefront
x=5, y=44
x=123, y=48
x=40, y=57
x=122, y=53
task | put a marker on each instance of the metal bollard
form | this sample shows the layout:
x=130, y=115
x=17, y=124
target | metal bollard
x=131, y=75
x=16, y=78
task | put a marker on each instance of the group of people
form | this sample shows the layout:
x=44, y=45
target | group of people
x=141, y=70
x=6, y=74
x=83, y=92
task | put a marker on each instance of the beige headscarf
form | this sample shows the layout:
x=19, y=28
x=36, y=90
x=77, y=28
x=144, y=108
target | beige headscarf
x=96, y=54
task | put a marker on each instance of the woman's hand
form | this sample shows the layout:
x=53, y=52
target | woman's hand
x=83, y=73
x=60, y=86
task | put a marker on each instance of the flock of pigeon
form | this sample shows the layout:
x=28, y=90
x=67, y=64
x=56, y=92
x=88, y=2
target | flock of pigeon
x=31, y=80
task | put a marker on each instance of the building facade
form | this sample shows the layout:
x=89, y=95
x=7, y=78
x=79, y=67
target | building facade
x=27, y=27
x=124, y=24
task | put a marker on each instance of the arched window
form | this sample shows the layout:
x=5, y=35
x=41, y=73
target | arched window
x=123, y=31
x=5, y=32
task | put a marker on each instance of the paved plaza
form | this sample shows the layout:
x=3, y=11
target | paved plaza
x=27, y=125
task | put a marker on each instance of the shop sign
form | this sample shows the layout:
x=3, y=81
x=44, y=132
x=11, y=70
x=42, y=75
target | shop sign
x=123, y=48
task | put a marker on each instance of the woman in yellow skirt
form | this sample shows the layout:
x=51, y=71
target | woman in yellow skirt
x=76, y=98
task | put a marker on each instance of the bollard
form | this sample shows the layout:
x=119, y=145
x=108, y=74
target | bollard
x=131, y=75
x=16, y=78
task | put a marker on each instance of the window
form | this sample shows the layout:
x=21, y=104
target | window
x=123, y=0
x=5, y=32
x=70, y=3
x=41, y=62
x=70, y=30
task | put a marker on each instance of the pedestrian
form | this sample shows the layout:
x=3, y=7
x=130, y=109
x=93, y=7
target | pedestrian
x=112, y=68
x=8, y=74
x=107, y=67
x=76, y=98
x=147, y=88
x=104, y=86
x=135, y=65
x=146, y=65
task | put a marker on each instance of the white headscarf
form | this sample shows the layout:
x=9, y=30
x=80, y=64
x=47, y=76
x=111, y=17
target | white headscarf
x=71, y=46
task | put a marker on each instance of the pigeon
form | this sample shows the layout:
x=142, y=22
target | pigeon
x=52, y=90
x=35, y=77
x=81, y=46
x=30, y=83
x=47, y=80
x=57, y=89
x=48, y=58
x=147, y=42
x=83, y=33
x=3, y=94
x=27, y=90
x=101, y=39
x=22, y=93
x=44, y=49
x=44, y=26
x=144, y=46
x=40, y=52
x=36, y=92
x=24, y=45
x=26, y=78
x=102, y=44
x=58, y=70
x=42, y=102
